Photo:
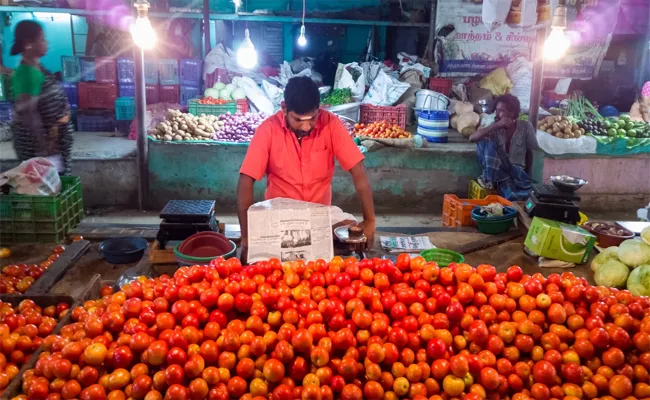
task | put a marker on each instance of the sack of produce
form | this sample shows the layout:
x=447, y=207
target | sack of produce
x=497, y=82
x=351, y=76
x=385, y=90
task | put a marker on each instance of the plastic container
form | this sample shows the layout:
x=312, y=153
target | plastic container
x=87, y=68
x=105, y=70
x=70, y=69
x=95, y=121
x=189, y=260
x=605, y=240
x=151, y=72
x=391, y=114
x=188, y=93
x=440, y=85
x=6, y=111
x=205, y=244
x=170, y=94
x=478, y=192
x=125, y=71
x=41, y=219
x=458, y=212
x=494, y=227
x=127, y=90
x=508, y=213
x=442, y=257
x=168, y=72
x=349, y=110
x=434, y=126
x=72, y=93
x=190, y=72
x=152, y=92
x=242, y=106
x=124, y=108
x=123, y=250
x=196, y=109
x=98, y=96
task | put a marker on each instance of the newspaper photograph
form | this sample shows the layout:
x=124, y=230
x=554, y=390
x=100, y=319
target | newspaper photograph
x=289, y=230
x=405, y=244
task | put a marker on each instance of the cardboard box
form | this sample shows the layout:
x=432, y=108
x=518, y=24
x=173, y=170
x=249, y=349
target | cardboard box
x=559, y=241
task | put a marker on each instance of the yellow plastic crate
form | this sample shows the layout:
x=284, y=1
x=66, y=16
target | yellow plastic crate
x=478, y=192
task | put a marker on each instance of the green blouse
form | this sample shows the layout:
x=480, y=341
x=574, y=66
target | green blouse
x=27, y=79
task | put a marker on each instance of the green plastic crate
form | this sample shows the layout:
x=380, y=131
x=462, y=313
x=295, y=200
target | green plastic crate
x=197, y=109
x=41, y=219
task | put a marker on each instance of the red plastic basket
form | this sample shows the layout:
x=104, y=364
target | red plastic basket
x=153, y=94
x=392, y=114
x=105, y=70
x=98, y=96
x=170, y=94
x=242, y=106
x=440, y=85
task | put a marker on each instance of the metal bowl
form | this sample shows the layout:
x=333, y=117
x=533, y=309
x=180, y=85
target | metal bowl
x=567, y=183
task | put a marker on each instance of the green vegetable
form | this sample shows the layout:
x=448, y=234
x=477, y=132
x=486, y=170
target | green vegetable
x=645, y=236
x=634, y=252
x=638, y=283
x=607, y=254
x=579, y=107
x=337, y=97
x=612, y=274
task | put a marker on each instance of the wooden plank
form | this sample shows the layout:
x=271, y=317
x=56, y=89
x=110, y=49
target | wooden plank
x=161, y=256
x=107, y=231
x=487, y=242
x=51, y=276
x=522, y=217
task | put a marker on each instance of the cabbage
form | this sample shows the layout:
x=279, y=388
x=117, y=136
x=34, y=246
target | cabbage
x=612, y=274
x=634, y=252
x=224, y=94
x=645, y=235
x=219, y=86
x=230, y=87
x=605, y=255
x=214, y=93
x=238, y=94
x=638, y=283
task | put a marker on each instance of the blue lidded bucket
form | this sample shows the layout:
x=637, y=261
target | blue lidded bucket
x=433, y=125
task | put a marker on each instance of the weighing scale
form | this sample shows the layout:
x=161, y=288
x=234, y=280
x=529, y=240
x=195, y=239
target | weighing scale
x=183, y=218
x=546, y=201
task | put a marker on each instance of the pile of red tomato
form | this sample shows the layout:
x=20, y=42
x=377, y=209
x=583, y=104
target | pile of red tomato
x=18, y=278
x=212, y=100
x=350, y=330
x=22, y=331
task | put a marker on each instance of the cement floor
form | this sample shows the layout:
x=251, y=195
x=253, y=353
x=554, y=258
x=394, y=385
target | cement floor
x=87, y=146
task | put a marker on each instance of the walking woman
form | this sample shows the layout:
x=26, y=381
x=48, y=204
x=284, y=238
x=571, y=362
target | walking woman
x=41, y=123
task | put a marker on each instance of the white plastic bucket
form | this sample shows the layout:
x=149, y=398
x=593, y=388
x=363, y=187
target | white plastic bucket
x=429, y=100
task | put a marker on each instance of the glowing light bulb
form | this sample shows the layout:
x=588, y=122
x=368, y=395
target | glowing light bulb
x=302, y=40
x=246, y=54
x=556, y=44
x=144, y=36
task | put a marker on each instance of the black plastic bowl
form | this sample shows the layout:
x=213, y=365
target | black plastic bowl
x=123, y=250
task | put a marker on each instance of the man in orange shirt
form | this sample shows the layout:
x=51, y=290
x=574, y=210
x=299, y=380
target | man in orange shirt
x=295, y=149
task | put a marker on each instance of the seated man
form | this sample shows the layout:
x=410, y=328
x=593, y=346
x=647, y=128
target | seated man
x=501, y=149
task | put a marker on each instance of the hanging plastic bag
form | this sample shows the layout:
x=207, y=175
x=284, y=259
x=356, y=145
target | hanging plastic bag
x=385, y=90
x=35, y=177
x=495, y=12
x=351, y=76
x=274, y=93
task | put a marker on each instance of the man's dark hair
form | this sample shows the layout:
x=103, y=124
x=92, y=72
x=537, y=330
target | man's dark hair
x=301, y=95
x=511, y=102
x=27, y=31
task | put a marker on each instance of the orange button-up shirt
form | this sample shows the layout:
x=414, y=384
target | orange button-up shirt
x=301, y=172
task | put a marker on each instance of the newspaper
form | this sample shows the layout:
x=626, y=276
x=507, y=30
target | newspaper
x=405, y=244
x=289, y=230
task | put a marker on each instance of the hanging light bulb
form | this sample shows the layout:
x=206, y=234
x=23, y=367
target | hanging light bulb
x=557, y=43
x=302, y=40
x=246, y=54
x=144, y=36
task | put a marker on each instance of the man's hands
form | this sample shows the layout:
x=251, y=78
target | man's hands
x=504, y=123
x=369, y=231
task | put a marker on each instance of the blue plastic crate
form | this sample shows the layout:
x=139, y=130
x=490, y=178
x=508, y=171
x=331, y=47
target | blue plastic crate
x=188, y=93
x=151, y=72
x=168, y=71
x=5, y=111
x=70, y=68
x=95, y=121
x=125, y=108
x=72, y=92
x=87, y=69
x=127, y=91
x=125, y=71
x=190, y=72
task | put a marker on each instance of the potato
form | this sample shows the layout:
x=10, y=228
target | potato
x=560, y=135
x=549, y=120
x=167, y=137
x=178, y=137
